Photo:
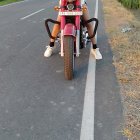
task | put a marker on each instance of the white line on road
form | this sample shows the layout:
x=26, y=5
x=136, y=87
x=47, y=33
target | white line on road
x=87, y=128
x=32, y=14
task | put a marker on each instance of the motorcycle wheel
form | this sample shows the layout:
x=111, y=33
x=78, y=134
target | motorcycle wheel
x=68, y=57
x=81, y=37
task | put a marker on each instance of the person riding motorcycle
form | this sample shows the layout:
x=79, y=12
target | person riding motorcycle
x=95, y=50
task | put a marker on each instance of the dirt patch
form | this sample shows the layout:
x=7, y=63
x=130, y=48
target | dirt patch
x=126, y=50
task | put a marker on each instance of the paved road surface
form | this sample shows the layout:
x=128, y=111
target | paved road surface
x=36, y=102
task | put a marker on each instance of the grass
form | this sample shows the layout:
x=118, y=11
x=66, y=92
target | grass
x=4, y=2
x=132, y=4
x=126, y=57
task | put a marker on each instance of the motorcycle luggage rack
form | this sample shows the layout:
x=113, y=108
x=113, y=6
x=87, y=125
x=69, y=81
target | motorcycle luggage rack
x=95, y=28
x=48, y=29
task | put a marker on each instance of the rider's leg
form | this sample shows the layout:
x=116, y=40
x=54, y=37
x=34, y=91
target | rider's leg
x=55, y=31
x=89, y=26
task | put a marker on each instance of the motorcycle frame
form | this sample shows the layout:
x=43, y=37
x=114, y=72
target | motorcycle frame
x=72, y=29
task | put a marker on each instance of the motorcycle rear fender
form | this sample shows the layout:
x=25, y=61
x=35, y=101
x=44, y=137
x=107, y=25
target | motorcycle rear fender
x=70, y=30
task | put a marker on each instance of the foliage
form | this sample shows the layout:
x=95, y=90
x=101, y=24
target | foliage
x=132, y=4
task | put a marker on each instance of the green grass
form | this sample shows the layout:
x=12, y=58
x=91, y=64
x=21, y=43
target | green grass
x=4, y=2
x=132, y=4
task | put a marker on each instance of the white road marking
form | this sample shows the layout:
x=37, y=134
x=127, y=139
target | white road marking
x=96, y=14
x=87, y=128
x=32, y=14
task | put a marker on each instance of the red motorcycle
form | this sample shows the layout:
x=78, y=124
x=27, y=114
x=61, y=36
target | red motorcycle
x=73, y=35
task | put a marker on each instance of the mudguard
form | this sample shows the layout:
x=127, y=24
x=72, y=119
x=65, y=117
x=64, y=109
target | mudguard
x=70, y=29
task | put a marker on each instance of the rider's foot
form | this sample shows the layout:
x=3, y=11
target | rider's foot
x=48, y=52
x=96, y=53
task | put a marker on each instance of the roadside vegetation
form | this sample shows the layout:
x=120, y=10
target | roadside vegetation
x=133, y=4
x=123, y=29
x=4, y=2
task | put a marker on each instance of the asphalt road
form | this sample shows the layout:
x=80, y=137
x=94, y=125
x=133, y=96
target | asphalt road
x=36, y=102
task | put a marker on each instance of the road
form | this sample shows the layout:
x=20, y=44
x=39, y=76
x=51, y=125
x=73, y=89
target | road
x=36, y=102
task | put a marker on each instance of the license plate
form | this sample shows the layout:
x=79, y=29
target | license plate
x=78, y=13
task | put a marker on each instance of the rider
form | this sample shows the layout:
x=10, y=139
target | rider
x=56, y=29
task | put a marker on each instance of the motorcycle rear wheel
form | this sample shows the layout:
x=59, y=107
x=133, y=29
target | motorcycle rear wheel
x=69, y=57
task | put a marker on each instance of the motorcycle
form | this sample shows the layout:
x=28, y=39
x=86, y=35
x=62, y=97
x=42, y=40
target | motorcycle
x=73, y=35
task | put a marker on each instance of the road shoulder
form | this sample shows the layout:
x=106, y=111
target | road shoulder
x=123, y=28
x=108, y=109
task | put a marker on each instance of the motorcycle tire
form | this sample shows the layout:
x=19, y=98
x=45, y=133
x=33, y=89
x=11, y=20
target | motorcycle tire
x=68, y=57
x=81, y=37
